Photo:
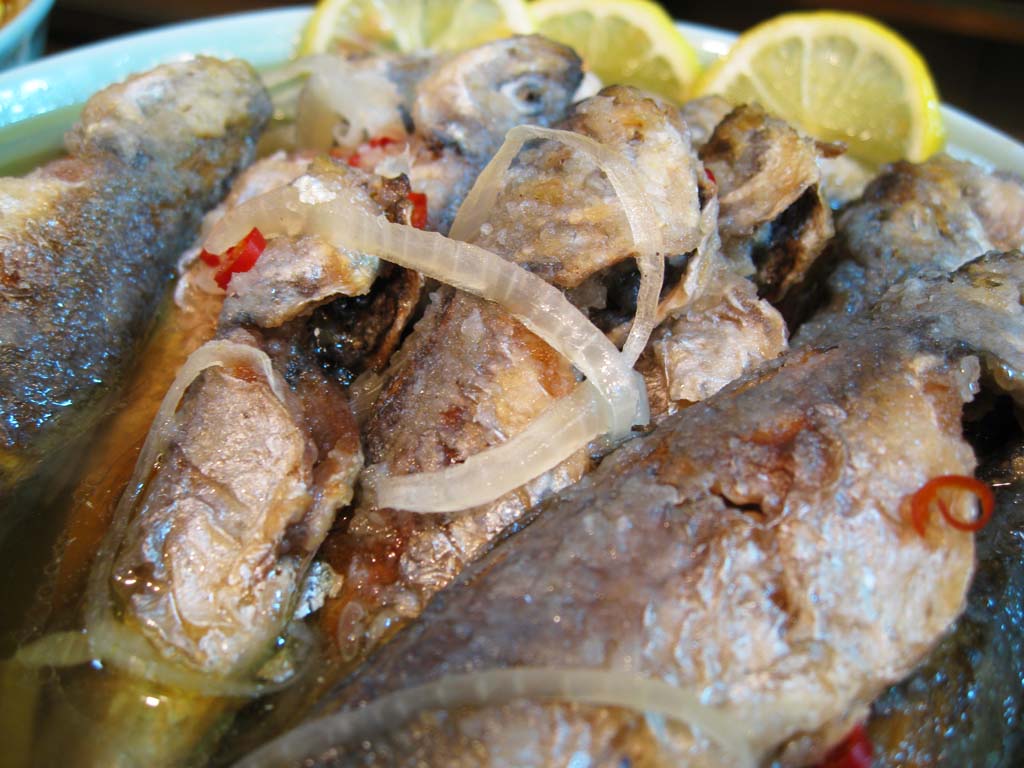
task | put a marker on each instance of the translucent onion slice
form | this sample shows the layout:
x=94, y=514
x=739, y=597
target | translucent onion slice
x=362, y=101
x=477, y=689
x=539, y=306
x=59, y=649
x=110, y=640
x=644, y=227
x=362, y=394
x=551, y=438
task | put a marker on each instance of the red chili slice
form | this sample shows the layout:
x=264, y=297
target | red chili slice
x=921, y=502
x=419, y=209
x=210, y=259
x=710, y=175
x=855, y=751
x=240, y=257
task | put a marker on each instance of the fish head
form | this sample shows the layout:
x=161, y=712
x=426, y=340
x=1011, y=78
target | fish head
x=472, y=99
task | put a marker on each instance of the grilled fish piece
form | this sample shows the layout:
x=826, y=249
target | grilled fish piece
x=459, y=108
x=257, y=467
x=917, y=219
x=205, y=562
x=970, y=684
x=752, y=550
x=470, y=375
x=86, y=242
x=773, y=219
x=725, y=333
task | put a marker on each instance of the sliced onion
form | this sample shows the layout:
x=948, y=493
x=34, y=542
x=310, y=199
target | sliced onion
x=539, y=306
x=644, y=227
x=568, y=425
x=491, y=687
x=362, y=394
x=60, y=649
x=114, y=643
x=109, y=640
x=338, y=93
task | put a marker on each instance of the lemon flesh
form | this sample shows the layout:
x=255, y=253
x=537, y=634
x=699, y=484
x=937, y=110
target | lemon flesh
x=839, y=77
x=623, y=41
x=411, y=25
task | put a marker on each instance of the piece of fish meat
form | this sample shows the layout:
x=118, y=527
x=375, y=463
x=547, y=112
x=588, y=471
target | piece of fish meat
x=773, y=219
x=470, y=375
x=753, y=549
x=467, y=104
x=966, y=700
x=722, y=335
x=926, y=218
x=255, y=470
x=457, y=108
x=86, y=242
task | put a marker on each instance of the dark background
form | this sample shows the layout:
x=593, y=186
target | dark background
x=974, y=47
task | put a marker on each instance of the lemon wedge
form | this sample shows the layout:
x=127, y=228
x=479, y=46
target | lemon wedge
x=839, y=77
x=623, y=41
x=412, y=25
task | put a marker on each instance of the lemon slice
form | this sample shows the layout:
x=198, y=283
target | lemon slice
x=623, y=41
x=839, y=77
x=412, y=25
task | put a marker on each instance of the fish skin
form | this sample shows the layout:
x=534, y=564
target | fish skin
x=87, y=242
x=470, y=375
x=722, y=335
x=773, y=219
x=473, y=99
x=926, y=218
x=250, y=481
x=970, y=684
x=464, y=106
x=752, y=547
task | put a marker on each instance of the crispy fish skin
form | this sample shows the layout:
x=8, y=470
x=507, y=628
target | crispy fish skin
x=212, y=560
x=752, y=548
x=466, y=104
x=470, y=375
x=970, y=684
x=926, y=218
x=86, y=241
x=773, y=219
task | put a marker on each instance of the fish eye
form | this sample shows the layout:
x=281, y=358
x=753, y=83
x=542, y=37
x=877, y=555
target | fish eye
x=526, y=93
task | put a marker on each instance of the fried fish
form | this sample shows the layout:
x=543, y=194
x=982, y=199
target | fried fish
x=87, y=242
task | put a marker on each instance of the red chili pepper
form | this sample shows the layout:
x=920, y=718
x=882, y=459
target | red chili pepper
x=240, y=257
x=209, y=259
x=855, y=751
x=921, y=502
x=356, y=159
x=710, y=175
x=419, y=209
